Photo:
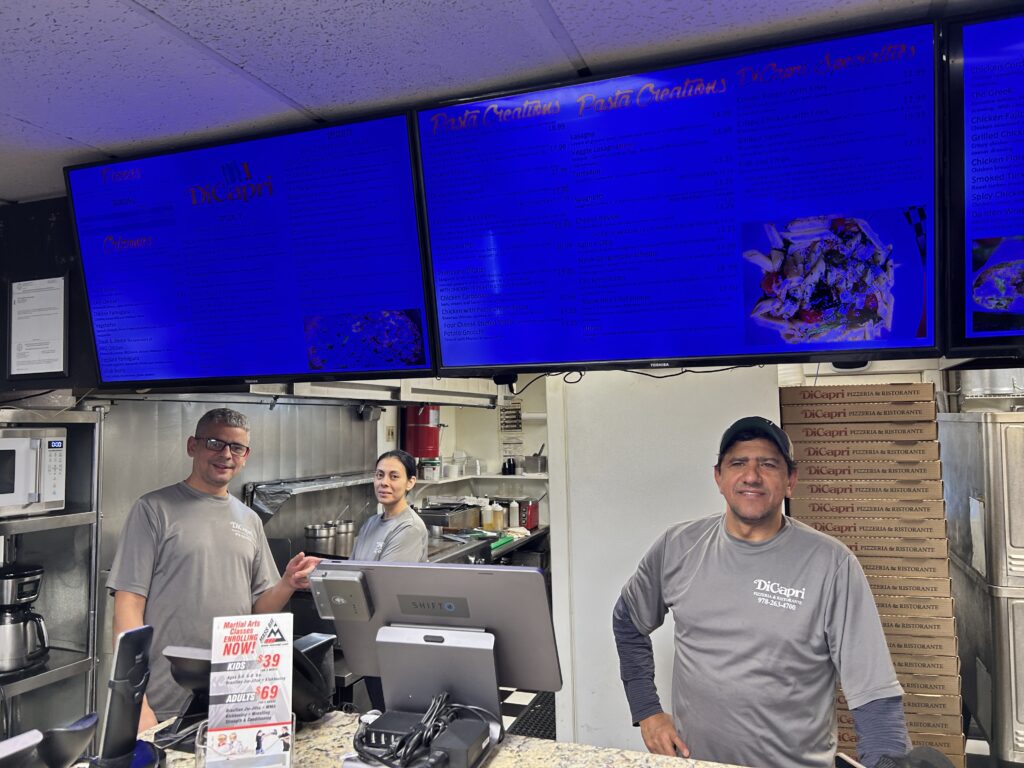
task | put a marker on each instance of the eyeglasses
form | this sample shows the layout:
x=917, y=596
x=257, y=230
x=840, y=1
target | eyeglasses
x=215, y=445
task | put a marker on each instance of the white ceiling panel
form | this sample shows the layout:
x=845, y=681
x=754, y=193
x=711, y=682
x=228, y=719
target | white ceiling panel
x=108, y=74
x=338, y=56
x=32, y=159
x=84, y=79
x=637, y=30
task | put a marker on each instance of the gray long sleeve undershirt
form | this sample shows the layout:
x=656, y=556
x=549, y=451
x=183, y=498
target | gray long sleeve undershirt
x=880, y=724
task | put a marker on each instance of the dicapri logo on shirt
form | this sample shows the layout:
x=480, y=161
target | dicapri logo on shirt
x=775, y=595
x=242, y=532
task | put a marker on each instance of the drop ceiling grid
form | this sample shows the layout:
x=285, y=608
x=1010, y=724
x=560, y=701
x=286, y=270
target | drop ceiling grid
x=31, y=159
x=105, y=74
x=340, y=56
x=635, y=30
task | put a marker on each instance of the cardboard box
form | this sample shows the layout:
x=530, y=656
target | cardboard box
x=870, y=470
x=927, y=646
x=847, y=741
x=946, y=743
x=882, y=586
x=839, y=413
x=866, y=527
x=867, y=489
x=916, y=722
x=918, y=626
x=905, y=547
x=922, y=723
x=889, y=605
x=933, y=705
x=848, y=744
x=860, y=451
x=920, y=703
x=933, y=685
x=919, y=430
x=857, y=393
x=918, y=567
x=918, y=664
x=868, y=508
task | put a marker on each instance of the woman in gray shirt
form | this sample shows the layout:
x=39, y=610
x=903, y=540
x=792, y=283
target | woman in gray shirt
x=397, y=533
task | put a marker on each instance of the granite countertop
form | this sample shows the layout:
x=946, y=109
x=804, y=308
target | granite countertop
x=321, y=746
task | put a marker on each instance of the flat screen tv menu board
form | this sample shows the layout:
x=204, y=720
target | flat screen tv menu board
x=777, y=205
x=987, y=77
x=289, y=257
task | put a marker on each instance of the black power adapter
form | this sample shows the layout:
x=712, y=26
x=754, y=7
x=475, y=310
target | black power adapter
x=390, y=728
x=463, y=741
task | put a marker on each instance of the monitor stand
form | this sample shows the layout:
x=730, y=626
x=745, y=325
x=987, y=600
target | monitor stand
x=181, y=734
x=418, y=662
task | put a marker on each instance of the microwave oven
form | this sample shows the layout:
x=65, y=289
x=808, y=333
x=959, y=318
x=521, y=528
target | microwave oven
x=32, y=470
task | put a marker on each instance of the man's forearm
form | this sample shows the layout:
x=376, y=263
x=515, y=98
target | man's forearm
x=881, y=730
x=636, y=665
x=274, y=599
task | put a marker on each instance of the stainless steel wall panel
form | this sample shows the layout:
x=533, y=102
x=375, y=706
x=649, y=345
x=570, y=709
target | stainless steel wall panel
x=144, y=449
x=983, y=464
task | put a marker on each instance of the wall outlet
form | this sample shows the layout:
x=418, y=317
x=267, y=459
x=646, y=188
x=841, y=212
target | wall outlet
x=389, y=433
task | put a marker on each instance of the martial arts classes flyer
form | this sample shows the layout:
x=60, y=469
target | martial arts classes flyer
x=251, y=691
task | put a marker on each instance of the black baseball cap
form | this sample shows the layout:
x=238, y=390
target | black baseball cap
x=762, y=427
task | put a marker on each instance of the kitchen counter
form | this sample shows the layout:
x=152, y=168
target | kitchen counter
x=322, y=745
x=439, y=550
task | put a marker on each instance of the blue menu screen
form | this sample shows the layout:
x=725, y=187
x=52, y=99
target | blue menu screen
x=777, y=203
x=290, y=256
x=993, y=76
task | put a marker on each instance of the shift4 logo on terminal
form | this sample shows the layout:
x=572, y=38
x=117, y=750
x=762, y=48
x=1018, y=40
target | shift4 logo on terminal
x=434, y=605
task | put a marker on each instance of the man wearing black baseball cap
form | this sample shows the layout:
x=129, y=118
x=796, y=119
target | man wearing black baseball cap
x=769, y=614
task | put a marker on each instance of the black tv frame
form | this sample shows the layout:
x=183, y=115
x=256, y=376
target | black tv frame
x=429, y=323
x=955, y=315
x=939, y=206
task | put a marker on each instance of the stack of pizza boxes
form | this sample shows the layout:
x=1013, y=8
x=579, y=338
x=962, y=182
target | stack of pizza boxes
x=870, y=475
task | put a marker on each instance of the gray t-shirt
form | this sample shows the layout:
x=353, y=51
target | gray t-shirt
x=761, y=631
x=402, y=539
x=193, y=557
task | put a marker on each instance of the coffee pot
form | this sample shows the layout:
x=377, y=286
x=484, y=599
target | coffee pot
x=24, y=642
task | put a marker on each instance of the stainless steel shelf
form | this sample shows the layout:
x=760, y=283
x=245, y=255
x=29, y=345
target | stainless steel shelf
x=47, y=416
x=60, y=666
x=461, y=478
x=45, y=522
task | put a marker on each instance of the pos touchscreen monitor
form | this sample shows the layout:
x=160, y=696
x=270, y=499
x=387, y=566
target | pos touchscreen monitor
x=425, y=628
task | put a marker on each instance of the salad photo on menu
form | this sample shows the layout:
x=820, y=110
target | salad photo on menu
x=997, y=289
x=387, y=338
x=830, y=278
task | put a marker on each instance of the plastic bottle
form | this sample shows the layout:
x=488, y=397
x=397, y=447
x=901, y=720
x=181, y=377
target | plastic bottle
x=513, y=514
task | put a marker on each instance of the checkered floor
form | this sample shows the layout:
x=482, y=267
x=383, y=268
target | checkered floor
x=513, y=703
x=525, y=713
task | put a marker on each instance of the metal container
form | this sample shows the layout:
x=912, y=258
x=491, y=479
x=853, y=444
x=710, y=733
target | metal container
x=321, y=539
x=453, y=518
x=534, y=465
x=982, y=458
x=996, y=381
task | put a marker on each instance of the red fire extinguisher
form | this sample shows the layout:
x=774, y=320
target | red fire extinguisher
x=421, y=436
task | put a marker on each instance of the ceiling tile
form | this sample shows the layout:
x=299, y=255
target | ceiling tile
x=32, y=159
x=109, y=74
x=631, y=31
x=338, y=55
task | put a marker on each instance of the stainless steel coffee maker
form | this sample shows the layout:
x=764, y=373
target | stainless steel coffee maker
x=23, y=640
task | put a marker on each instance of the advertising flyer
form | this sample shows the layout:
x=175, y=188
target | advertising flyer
x=251, y=691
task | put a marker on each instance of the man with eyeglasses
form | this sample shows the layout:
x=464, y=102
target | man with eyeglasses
x=192, y=551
